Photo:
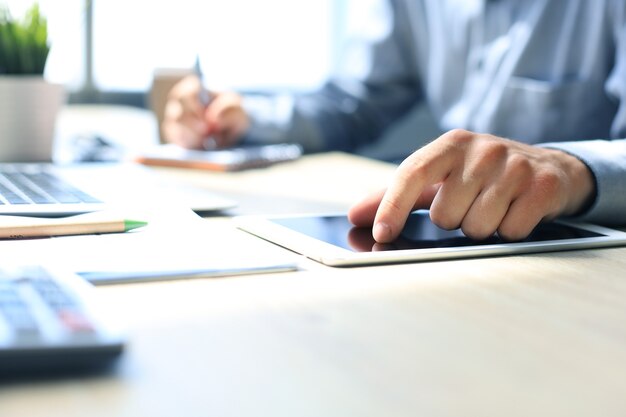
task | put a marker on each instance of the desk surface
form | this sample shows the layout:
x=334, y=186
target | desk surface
x=541, y=334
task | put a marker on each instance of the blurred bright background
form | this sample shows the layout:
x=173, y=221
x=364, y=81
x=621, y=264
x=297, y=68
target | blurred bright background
x=115, y=45
x=107, y=51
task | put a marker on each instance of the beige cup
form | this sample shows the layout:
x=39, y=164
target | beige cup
x=29, y=106
x=162, y=82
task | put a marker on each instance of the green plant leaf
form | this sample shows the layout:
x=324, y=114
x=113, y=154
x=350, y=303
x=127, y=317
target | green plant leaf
x=24, y=45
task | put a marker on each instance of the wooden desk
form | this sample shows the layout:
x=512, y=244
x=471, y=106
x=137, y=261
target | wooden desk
x=540, y=334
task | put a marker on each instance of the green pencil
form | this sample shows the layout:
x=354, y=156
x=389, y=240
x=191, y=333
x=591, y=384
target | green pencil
x=15, y=227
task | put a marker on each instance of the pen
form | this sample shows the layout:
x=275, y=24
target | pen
x=203, y=94
x=15, y=227
x=205, y=99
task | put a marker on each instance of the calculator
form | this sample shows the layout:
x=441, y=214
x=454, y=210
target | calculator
x=50, y=322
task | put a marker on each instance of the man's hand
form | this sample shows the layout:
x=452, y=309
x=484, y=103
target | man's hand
x=480, y=183
x=191, y=124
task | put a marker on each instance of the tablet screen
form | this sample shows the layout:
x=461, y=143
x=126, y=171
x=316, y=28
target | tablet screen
x=419, y=233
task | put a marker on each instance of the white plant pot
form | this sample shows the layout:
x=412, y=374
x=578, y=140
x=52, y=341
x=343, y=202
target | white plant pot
x=29, y=106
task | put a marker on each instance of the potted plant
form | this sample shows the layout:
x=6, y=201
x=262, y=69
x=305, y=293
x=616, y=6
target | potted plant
x=29, y=104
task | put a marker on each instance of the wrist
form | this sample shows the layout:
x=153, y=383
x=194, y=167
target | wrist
x=582, y=185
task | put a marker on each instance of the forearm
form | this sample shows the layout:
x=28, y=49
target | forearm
x=340, y=116
x=274, y=119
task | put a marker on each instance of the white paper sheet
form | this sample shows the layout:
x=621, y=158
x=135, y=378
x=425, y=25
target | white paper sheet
x=176, y=244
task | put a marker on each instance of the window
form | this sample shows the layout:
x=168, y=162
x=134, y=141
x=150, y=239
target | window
x=113, y=46
x=244, y=44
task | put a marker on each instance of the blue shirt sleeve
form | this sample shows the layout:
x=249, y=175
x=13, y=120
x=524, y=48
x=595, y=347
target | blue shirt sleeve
x=607, y=161
x=376, y=86
x=607, y=158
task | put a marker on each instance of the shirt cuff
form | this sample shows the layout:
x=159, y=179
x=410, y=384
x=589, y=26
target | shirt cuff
x=607, y=161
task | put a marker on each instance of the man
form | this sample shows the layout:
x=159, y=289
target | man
x=548, y=74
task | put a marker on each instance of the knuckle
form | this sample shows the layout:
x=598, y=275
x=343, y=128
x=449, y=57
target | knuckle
x=547, y=182
x=458, y=135
x=546, y=191
x=476, y=230
x=412, y=167
x=390, y=205
x=519, y=165
x=444, y=219
x=455, y=139
x=493, y=150
x=513, y=231
x=488, y=159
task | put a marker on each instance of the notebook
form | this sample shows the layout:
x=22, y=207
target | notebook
x=43, y=189
x=232, y=159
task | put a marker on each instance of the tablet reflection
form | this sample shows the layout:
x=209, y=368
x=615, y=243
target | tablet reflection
x=360, y=239
x=420, y=233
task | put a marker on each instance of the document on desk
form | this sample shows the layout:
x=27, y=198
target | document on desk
x=232, y=159
x=176, y=244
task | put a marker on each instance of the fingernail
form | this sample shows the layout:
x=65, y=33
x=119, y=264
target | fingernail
x=381, y=232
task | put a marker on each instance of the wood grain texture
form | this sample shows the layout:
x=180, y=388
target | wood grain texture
x=541, y=335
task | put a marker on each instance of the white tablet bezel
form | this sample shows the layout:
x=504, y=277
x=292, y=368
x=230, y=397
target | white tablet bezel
x=332, y=255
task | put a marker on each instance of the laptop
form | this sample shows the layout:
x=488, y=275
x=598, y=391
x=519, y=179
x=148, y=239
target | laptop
x=49, y=190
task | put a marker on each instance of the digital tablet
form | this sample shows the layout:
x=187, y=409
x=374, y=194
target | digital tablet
x=332, y=240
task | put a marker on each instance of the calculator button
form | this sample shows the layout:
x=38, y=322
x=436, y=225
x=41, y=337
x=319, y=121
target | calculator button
x=75, y=321
x=44, y=321
x=19, y=318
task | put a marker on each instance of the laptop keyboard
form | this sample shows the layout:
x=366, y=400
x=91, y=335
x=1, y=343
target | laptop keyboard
x=30, y=184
